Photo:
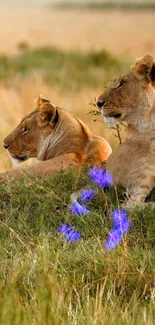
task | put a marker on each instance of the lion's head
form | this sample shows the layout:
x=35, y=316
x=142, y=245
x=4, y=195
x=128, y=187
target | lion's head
x=26, y=140
x=131, y=97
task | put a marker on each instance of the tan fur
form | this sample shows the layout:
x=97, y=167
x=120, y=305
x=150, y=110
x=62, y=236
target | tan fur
x=133, y=166
x=131, y=98
x=56, y=138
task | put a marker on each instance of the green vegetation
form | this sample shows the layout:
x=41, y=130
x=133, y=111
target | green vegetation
x=46, y=280
x=106, y=5
x=68, y=69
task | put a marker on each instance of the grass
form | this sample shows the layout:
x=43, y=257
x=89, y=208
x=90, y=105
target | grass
x=46, y=280
x=121, y=5
x=70, y=69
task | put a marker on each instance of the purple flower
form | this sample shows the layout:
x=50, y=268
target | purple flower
x=69, y=232
x=121, y=226
x=120, y=219
x=114, y=237
x=101, y=177
x=87, y=195
x=77, y=209
x=64, y=228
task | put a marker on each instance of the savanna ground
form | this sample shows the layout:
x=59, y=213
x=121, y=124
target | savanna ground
x=69, y=56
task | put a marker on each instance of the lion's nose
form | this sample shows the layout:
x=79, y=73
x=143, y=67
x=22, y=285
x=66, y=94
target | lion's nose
x=6, y=146
x=100, y=104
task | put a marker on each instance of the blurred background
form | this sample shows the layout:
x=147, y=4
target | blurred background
x=68, y=52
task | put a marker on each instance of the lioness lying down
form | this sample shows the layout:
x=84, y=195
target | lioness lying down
x=57, y=138
x=131, y=98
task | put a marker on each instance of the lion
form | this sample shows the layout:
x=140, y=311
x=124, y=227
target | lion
x=131, y=98
x=57, y=139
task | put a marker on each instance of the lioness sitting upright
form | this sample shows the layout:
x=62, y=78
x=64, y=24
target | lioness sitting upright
x=131, y=98
x=55, y=137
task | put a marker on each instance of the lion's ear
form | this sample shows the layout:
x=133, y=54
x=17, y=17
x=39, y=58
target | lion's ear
x=145, y=68
x=48, y=115
x=41, y=100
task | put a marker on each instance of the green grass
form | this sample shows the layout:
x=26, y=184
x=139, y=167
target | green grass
x=46, y=280
x=106, y=5
x=67, y=69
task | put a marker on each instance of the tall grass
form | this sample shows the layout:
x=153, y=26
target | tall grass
x=46, y=280
x=98, y=5
x=68, y=69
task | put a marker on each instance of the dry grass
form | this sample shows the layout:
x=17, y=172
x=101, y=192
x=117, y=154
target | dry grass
x=128, y=33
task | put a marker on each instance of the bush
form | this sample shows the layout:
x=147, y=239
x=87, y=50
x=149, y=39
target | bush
x=67, y=69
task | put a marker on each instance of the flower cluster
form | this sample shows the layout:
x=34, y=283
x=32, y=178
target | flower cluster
x=69, y=232
x=78, y=209
x=87, y=194
x=100, y=177
x=120, y=227
x=121, y=224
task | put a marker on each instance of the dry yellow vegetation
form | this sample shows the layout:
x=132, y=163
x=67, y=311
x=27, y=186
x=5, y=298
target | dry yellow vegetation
x=128, y=33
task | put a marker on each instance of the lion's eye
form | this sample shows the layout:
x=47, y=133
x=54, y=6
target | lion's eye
x=121, y=84
x=24, y=130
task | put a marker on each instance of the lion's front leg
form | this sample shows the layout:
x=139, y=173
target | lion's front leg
x=42, y=168
x=139, y=192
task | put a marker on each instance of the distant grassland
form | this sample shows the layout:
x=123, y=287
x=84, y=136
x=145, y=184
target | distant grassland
x=63, y=68
x=106, y=5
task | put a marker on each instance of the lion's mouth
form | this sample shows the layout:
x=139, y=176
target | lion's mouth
x=110, y=114
x=116, y=115
x=21, y=157
x=17, y=159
